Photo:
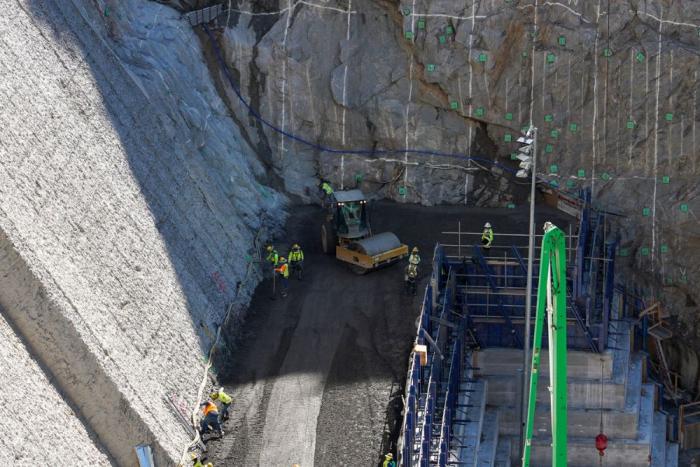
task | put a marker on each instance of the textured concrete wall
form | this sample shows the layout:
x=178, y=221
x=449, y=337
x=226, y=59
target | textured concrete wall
x=38, y=427
x=129, y=207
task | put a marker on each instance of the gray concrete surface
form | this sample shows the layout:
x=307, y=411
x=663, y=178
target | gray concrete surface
x=38, y=427
x=129, y=207
x=316, y=376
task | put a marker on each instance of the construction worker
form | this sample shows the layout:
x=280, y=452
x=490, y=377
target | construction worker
x=414, y=258
x=210, y=419
x=327, y=188
x=487, y=236
x=389, y=460
x=296, y=260
x=410, y=276
x=225, y=400
x=282, y=271
x=197, y=461
x=272, y=256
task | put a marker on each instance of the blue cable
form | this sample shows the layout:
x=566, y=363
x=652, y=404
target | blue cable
x=321, y=148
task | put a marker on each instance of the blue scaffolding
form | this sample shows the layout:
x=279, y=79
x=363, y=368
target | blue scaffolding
x=476, y=299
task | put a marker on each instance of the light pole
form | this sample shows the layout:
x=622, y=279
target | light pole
x=528, y=158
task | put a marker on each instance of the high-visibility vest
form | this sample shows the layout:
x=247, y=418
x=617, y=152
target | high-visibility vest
x=326, y=187
x=209, y=408
x=488, y=236
x=296, y=255
x=273, y=257
x=283, y=269
x=224, y=398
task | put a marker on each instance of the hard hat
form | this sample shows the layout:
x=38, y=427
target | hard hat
x=415, y=249
x=487, y=225
x=209, y=464
x=283, y=259
x=193, y=455
x=389, y=456
x=269, y=248
x=214, y=395
x=295, y=246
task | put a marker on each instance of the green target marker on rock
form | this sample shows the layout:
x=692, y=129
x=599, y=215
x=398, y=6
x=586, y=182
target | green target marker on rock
x=581, y=173
x=607, y=52
x=409, y=35
x=454, y=105
x=623, y=252
x=645, y=251
x=449, y=30
x=510, y=206
x=664, y=248
x=509, y=116
x=430, y=67
x=562, y=40
x=402, y=191
x=646, y=212
x=669, y=117
x=508, y=138
x=359, y=177
x=513, y=156
x=480, y=112
x=421, y=24
x=665, y=179
x=573, y=127
x=442, y=39
x=553, y=169
x=549, y=118
x=554, y=133
x=605, y=176
x=483, y=57
x=551, y=58
x=640, y=57
x=549, y=148
x=630, y=124
x=683, y=207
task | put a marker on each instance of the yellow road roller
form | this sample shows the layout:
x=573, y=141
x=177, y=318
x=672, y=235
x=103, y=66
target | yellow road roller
x=346, y=232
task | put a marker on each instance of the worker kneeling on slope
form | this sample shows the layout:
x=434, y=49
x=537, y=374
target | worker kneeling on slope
x=210, y=419
x=487, y=236
x=225, y=401
x=296, y=261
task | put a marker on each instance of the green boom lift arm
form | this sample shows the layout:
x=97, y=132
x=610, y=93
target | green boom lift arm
x=551, y=298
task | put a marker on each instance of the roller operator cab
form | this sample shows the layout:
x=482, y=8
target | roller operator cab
x=346, y=232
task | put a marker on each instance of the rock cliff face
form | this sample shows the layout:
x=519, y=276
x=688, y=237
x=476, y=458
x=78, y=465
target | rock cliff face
x=611, y=87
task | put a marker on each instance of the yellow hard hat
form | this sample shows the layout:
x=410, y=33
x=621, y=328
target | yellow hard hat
x=389, y=456
x=415, y=249
x=269, y=248
x=209, y=464
x=295, y=246
x=214, y=395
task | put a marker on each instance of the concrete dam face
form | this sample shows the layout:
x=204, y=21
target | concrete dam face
x=150, y=150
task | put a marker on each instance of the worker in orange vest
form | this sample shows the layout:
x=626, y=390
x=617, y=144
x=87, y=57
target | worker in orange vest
x=210, y=419
x=282, y=271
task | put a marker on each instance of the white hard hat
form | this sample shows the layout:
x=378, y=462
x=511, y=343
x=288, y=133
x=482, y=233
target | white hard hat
x=487, y=225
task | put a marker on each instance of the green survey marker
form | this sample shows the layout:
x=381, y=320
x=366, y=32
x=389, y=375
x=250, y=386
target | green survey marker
x=553, y=169
x=402, y=191
x=581, y=173
x=665, y=179
x=454, y=105
x=551, y=58
x=483, y=58
x=630, y=124
x=480, y=112
x=548, y=148
x=562, y=40
x=573, y=127
x=430, y=67
x=605, y=176
x=646, y=212
x=508, y=138
x=645, y=251
x=509, y=116
x=549, y=118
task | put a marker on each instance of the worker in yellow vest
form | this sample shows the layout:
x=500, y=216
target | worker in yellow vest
x=389, y=460
x=225, y=401
x=282, y=271
x=296, y=260
x=487, y=236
